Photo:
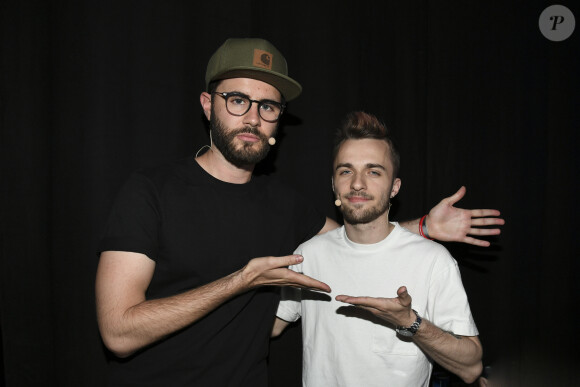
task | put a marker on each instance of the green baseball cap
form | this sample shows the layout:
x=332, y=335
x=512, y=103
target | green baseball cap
x=252, y=58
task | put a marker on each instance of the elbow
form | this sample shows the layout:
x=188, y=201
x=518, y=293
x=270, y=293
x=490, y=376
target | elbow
x=117, y=345
x=472, y=373
x=118, y=348
x=117, y=342
x=473, y=369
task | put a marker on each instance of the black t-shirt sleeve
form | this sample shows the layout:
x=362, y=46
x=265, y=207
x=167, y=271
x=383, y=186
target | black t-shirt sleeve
x=134, y=219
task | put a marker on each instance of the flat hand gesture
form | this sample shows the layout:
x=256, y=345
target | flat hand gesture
x=452, y=224
x=396, y=311
x=274, y=271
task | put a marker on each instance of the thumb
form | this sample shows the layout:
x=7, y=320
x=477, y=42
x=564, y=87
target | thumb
x=457, y=196
x=404, y=296
x=293, y=259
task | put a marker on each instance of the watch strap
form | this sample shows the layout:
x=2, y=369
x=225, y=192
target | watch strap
x=410, y=331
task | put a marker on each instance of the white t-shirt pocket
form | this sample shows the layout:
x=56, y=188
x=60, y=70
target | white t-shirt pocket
x=386, y=341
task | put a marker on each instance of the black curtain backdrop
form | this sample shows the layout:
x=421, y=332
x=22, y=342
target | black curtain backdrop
x=475, y=94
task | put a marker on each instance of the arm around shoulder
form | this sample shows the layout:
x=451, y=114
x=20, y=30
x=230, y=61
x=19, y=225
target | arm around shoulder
x=329, y=225
x=448, y=223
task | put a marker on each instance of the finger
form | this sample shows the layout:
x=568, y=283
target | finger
x=356, y=302
x=476, y=242
x=304, y=281
x=346, y=299
x=359, y=301
x=483, y=212
x=280, y=262
x=293, y=259
x=456, y=196
x=484, y=231
x=487, y=221
x=342, y=298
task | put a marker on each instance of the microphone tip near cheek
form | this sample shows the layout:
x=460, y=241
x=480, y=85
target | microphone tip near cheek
x=271, y=141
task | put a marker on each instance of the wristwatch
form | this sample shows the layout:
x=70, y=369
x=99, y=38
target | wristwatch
x=409, y=332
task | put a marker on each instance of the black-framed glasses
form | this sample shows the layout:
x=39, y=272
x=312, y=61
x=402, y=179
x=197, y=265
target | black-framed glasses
x=238, y=104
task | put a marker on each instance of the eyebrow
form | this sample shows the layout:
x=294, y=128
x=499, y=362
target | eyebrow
x=235, y=92
x=368, y=165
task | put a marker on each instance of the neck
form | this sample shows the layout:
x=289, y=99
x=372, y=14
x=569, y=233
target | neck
x=214, y=163
x=368, y=233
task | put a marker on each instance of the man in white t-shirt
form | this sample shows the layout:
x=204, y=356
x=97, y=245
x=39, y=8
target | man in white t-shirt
x=373, y=340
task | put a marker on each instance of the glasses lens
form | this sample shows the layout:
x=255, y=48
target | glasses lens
x=237, y=104
x=269, y=111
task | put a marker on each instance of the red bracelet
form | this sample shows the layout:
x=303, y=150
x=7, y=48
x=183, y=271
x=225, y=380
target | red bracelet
x=421, y=228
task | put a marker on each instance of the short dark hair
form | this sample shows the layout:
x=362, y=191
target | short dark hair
x=360, y=125
x=212, y=86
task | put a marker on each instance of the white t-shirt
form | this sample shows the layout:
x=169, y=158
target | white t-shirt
x=347, y=346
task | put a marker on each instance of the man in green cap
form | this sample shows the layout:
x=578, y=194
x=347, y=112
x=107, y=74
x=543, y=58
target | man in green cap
x=194, y=251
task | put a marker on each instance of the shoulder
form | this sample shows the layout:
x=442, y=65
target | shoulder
x=413, y=243
x=159, y=176
x=166, y=170
x=417, y=240
x=321, y=241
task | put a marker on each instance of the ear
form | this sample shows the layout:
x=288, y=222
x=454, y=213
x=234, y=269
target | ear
x=332, y=182
x=396, y=187
x=205, y=100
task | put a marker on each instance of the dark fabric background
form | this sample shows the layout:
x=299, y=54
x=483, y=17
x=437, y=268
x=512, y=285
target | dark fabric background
x=475, y=95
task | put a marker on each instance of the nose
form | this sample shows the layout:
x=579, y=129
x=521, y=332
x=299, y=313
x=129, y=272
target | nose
x=358, y=182
x=252, y=117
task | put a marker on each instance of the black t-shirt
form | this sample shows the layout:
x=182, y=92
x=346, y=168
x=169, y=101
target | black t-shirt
x=198, y=229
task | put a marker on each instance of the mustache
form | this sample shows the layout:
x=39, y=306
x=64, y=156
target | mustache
x=363, y=195
x=250, y=130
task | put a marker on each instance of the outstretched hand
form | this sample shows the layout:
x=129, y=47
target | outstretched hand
x=274, y=271
x=452, y=224
x=396, y=310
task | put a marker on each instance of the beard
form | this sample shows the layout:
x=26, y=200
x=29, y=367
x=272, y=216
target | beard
x=247, y=153
x=354, y=215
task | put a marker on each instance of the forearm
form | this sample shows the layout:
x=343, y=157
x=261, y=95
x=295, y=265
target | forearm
x=411, y=225
x=329, y=225
x=458, y=354
x=151, y=320
x=129, y=322
x=279, y=326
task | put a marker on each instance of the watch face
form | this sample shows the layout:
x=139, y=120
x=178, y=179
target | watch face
x=405, y=332
x=409, y=332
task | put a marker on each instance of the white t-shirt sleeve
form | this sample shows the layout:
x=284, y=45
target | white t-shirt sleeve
x=290, y=307
x=454, y=313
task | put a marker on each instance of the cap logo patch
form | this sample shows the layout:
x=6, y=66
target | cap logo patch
x=262, y=59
